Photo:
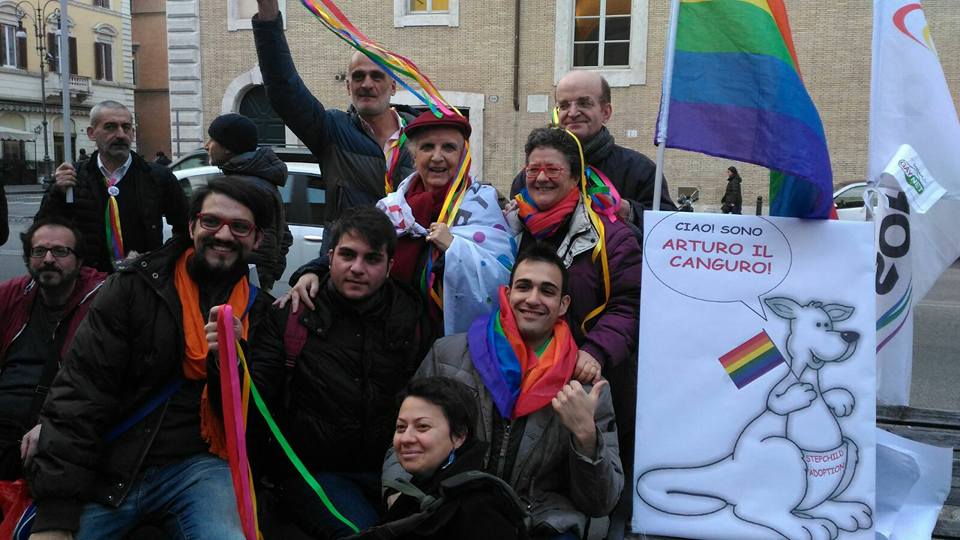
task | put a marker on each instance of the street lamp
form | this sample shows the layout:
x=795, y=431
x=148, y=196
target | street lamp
x=39, y=19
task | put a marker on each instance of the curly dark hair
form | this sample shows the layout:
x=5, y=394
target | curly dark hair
x=367, y=222
x=57, y=221
x=558, y=139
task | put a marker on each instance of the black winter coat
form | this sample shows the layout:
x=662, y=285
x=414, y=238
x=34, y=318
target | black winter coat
x=268, y=173
x=339, y=409
x=129, y=347
x=158, y=196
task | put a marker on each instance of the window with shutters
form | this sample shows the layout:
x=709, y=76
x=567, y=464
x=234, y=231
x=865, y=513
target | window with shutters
x=13, y=49
x=102, y=3
x=53, y=53
x=103, y=58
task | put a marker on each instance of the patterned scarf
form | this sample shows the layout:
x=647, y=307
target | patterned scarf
x=519, y=380
x=543, y=223
x=195, y=359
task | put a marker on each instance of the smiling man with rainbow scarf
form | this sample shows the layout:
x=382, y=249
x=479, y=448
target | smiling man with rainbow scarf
x=551, y=438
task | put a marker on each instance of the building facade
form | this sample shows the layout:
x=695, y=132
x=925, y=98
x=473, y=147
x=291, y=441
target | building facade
x=151, y=94
x=501, y=60
x=100, y=68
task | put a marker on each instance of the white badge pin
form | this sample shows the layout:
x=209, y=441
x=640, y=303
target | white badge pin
x=113, y=191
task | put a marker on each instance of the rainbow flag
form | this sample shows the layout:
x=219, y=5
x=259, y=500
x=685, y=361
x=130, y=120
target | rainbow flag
x=737, y=93
x=751, y=359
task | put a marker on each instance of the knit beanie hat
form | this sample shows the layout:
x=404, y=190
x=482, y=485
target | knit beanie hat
x=234, y=132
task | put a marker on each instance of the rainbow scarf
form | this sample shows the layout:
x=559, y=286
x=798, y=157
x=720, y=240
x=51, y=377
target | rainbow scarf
x=112, y=221
x=543, y=223
x=737, y=93
x=519, y=380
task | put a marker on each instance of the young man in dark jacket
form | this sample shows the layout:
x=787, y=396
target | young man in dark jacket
x=232, y=146
x=583, y=98
x=359, y=151
x=115, y=184
x=126, y=435
x=41, y=313
x=336, y=403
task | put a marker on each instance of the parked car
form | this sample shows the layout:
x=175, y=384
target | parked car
x=304, y=197
x=849, y=202
x=199, y=157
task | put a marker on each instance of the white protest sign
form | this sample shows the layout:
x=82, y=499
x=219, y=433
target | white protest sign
x=756, y=394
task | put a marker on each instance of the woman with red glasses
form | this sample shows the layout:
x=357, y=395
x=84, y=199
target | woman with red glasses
x=602, y=256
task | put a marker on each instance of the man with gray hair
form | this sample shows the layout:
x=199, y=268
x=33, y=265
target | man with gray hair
x=120, y=200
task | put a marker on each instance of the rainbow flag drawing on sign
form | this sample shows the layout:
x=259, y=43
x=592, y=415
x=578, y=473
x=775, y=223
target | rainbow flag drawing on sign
x=751, y=359
x=737, y=93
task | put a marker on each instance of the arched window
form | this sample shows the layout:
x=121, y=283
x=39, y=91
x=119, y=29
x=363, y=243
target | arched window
x=104, y=35
x=256, y=107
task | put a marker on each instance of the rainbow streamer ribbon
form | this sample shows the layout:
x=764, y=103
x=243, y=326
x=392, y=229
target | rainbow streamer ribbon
x=234, y=400
x=338, y=23
x=599, y=250
x=112, y=221
x=392, y=161
x=751, y=359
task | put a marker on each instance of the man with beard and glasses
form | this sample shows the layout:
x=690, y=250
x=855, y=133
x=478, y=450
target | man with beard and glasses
x=119, y=200
x=583, y=100
x=128, y=434
x=41, y=313
x=360, y=151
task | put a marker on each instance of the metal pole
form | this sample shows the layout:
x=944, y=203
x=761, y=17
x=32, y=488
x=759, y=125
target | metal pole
x=661, y=138
x=41, y=49
x=65, y=80
x=176, y=113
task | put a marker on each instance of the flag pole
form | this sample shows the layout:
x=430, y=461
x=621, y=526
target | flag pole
x=65, y=89
x=661, y=137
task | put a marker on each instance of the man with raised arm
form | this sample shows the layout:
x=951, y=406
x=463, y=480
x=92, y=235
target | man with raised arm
x=359, y=150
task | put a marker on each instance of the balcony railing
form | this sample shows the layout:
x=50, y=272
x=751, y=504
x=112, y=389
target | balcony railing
x=80, y=87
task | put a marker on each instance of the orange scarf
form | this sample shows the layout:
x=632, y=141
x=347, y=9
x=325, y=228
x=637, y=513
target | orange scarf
x=195, y=338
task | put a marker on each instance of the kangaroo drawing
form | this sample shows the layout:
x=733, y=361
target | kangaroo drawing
x=796, y=445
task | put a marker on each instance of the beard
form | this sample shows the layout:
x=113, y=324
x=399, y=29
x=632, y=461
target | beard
x=117, y=151
x=52, y=278
x=203, y=272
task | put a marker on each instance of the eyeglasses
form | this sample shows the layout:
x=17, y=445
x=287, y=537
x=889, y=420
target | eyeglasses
x=552, y=171
x=238, y=227
x=584, y=102
x=59, y=252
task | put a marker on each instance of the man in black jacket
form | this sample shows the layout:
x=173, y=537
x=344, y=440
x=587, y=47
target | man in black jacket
x=336, y=403
x=116, y=184
x=583, y=98
x=232, y=146
x=126, y=435
x=359, y=151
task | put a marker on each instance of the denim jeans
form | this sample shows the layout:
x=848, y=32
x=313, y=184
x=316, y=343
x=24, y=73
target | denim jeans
x=193, y=499
x=354, y=495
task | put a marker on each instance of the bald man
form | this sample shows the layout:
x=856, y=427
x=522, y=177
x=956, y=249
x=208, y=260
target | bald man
x=354, y=148
x=584, y=101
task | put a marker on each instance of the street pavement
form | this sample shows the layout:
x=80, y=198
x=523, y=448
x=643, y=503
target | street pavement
x=936, y=365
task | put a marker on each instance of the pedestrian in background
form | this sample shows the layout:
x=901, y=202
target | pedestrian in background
x=732, y=201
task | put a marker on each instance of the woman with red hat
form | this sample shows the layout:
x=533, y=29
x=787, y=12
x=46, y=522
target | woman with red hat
x=453, y=240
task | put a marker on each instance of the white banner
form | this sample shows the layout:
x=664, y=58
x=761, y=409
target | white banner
x=756, y=392
x=910, y=103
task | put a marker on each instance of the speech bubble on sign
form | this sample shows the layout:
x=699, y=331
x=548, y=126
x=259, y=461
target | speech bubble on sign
x=719, y=258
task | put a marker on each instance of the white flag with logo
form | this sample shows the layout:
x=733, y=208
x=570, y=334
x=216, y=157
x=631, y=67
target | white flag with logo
x=910, y=103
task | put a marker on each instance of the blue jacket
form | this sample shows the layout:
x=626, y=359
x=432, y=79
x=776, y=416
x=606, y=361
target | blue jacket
x=351, y=161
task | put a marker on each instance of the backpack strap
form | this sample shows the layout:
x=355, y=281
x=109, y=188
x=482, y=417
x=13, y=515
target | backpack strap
x=294, y=338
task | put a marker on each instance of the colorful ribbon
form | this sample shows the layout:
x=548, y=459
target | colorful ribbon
x=234, y=400
x=112, y=220
x=394, y=158
x=599, y=250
